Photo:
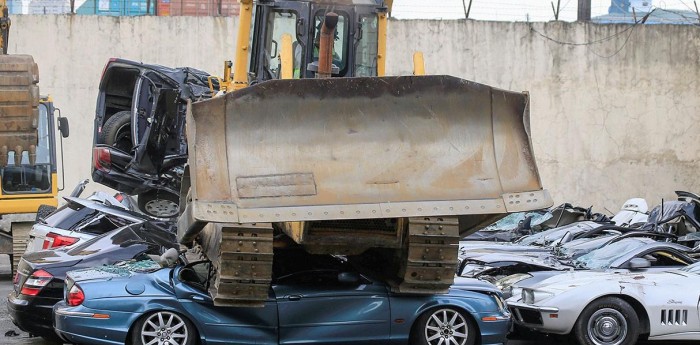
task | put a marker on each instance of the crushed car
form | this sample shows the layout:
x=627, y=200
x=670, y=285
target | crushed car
x=139, y=144
x=81, y=219
x=319, y=297
x=39, y=281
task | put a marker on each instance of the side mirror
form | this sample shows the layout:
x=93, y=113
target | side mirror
x=348, y=278
x=639, y=263
x=63, y=127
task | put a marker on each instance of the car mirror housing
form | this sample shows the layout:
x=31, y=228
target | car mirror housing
x=639, y=263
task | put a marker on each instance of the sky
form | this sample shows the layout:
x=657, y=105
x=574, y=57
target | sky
x=513, y=10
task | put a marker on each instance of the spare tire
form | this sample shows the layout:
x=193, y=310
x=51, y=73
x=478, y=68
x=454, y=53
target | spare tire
x=116, y=131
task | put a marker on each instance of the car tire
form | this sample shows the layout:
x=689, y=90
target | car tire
x=116, y=131
x=444, y=325
x=175, y=328
x=44, y=211
x=159, y=203
x=607, y=321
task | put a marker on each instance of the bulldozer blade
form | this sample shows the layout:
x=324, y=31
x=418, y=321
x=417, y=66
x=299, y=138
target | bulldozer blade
x=360, y=148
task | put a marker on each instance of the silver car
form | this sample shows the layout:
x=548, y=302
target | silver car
x=614, y=308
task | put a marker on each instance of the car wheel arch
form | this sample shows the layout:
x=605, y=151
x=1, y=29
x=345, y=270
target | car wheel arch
x=198, y=336
x=437, y=305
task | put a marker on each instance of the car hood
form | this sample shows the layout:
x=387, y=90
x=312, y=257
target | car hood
x=481, y=263
x=571, y=280
x=471, y=284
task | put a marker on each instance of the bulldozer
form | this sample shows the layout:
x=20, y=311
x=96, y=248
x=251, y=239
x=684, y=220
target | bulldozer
x=309, y=143
x=28, y=162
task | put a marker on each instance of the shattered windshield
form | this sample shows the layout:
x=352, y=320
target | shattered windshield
x=604, y=257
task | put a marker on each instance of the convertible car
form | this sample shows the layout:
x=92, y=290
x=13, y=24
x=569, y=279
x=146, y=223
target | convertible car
x=317, y=299
x=613, y=308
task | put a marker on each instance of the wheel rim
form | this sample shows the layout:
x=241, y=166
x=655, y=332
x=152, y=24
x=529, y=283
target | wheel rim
x=446, y=327
x=164, y=328
x=162, y=208
x=607, y=326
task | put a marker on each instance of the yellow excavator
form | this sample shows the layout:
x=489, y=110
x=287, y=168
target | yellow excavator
x=28, y=174
x=310, y=142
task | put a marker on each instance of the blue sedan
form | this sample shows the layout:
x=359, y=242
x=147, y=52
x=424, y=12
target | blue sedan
x=315, y=299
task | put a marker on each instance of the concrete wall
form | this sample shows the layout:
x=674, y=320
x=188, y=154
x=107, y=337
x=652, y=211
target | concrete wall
x=610, y=120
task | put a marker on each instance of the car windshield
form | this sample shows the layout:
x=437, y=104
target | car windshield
x=604, y=257
x=70, y=215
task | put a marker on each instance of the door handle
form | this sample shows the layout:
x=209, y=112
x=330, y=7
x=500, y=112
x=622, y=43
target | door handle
x=197, y=298
x=294, y=297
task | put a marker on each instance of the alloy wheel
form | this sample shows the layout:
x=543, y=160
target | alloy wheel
x=164, y=328
x=446, y=327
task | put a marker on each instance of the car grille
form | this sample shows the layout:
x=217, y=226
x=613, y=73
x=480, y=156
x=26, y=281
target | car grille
x=527, y=316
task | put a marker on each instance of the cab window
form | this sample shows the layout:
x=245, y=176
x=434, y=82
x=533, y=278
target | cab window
x=281, y=23
x=340, y=46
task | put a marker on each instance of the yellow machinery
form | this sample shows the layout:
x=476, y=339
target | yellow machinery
x=390, y=171
x=28, y=177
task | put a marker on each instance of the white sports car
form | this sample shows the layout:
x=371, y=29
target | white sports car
x=601, y=308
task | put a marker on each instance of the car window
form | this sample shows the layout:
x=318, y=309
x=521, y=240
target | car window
x=662, y=258
x=103, y=223
x=196, y=274
x=68, y=216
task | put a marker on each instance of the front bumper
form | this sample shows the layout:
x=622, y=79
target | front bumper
x=542, y=318
x=31, y=318
x=79, y=325
x=494, y=332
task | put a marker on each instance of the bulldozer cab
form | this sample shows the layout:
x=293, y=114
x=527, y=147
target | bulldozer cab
x=354, y=49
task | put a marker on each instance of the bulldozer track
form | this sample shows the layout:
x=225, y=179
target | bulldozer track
x=244, y=266
x=430, y=259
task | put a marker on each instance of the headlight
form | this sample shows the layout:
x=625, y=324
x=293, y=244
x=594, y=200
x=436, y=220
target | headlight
x=530, y=296
x=499, y=301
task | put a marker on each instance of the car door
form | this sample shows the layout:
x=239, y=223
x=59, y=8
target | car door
x=222, y=325
x=156, y=122
x=323, y=306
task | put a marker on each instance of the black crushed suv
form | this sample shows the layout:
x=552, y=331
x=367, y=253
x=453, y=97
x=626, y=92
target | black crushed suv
x=139, y=144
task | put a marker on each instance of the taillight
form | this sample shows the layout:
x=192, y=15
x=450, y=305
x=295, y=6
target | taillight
x=54, y=240
x=75, y=296
x=33, y=285
x=102, y=159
